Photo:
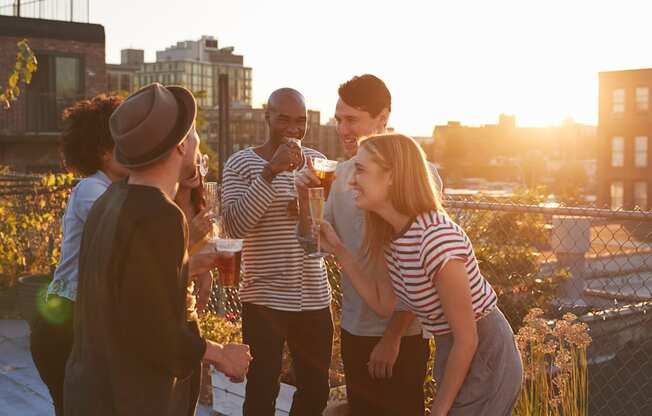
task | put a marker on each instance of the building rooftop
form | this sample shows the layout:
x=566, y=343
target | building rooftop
x=12, y=26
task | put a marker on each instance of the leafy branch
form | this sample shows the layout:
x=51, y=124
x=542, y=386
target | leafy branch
x=24, y=68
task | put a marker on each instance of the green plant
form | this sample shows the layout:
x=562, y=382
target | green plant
x=508, y=246
x=26, y=65
x=30, y=230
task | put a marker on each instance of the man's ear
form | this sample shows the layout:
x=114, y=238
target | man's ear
x=383, y=117
x=107, y=155
x=181, y=147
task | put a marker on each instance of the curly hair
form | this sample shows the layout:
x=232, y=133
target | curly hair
x=86, y=136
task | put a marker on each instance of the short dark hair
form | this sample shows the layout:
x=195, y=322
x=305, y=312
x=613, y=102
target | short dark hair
x=86, y=136
x=366, y=92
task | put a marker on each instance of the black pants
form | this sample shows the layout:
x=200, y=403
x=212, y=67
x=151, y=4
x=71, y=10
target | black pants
x=309, y=335
x=51, y=343
x=402, y=394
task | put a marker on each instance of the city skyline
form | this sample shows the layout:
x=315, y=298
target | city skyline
x=464, y=61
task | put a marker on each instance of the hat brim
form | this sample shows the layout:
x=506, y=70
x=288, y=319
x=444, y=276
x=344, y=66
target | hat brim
x=185, y=120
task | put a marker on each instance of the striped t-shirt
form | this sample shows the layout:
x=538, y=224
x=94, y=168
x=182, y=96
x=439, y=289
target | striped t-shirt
x=277, y=273
x=415, y=257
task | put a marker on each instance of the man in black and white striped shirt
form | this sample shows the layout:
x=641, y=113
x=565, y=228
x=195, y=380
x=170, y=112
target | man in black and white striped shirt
x=285, y=295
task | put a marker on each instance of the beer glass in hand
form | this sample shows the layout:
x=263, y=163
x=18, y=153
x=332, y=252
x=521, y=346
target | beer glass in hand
x=229, y=255
x=212, y=197
x=293, y=191
x=316, y=202
x=325, y=170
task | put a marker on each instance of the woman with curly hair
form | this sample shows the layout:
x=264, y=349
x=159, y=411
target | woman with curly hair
x=87, y=151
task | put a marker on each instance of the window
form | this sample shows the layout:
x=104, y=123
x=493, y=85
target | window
x=618, y=101
x=68, y=78
x=642, y=99
x=617, y=194
x=125, y=82
x=618, y=151
x=640, y=195
x=640, y=151
x=57, y=84
x=114, y=82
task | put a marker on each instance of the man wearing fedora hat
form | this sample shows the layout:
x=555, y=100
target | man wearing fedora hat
x=135, y=351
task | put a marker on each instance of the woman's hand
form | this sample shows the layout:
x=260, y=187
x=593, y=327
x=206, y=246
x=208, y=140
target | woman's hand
x=329, y=240
x=201, y=263
x=200, y=226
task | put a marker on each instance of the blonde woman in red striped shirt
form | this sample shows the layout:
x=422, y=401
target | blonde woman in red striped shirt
x=432, y=269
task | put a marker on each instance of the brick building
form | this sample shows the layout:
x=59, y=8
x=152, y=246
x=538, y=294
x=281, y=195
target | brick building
x=507, y=152
x=624, y=129
x=70, y=67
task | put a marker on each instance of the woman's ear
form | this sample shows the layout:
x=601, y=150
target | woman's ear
x=390, y=179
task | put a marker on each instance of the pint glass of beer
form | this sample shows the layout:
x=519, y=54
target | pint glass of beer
x=325, y=171
x=229, y=253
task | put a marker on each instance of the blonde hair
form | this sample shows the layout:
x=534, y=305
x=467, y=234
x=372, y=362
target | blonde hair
x=411, y=193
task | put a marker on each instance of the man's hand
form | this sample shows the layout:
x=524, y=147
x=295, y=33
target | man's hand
x=287, y=157
x=305, y=179
x=383, y=357
x=231, y=359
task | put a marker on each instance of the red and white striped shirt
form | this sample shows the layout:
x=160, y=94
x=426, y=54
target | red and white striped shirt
x=414, y=259
x=277, y=274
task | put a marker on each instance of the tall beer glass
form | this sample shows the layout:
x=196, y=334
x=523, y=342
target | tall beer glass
x=325, y=171
x=212, y=197
x=316, y=203
x=229, y=255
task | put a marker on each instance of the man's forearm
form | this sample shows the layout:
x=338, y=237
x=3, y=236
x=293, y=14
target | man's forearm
x=245, y=204
x=398, y=325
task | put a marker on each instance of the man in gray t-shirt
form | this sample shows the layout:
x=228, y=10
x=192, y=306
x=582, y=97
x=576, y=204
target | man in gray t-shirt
x=385, y=360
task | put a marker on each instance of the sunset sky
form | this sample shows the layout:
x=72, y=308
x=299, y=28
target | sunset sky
x=442, y=60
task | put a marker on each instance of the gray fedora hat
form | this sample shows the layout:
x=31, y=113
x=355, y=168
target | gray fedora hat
x=150, y=123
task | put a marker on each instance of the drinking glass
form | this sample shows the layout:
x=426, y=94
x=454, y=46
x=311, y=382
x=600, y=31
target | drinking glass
x=293, y=189
x=325, y=171
x=229, y=255
x=212, y=197
x=316, y=202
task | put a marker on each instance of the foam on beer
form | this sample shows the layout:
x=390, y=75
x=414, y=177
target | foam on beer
x=324, y=165
x=228, y=245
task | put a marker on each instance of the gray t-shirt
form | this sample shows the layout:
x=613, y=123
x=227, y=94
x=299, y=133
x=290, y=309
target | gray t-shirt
x=348, y=220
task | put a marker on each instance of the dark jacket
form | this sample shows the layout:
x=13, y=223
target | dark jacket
x=134, y=353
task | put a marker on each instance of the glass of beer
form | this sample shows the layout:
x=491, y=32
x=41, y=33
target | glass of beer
x=325, y=171
x=229, y=255
x=212, y=197
x=316, y=202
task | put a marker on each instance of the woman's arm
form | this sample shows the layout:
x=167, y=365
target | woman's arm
x=452, y=284
x=377, y=291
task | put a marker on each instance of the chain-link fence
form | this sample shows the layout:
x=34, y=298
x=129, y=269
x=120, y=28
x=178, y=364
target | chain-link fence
x=595, y=263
